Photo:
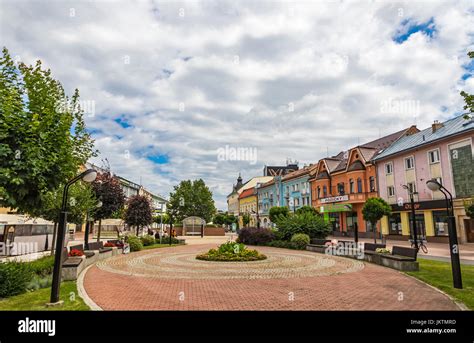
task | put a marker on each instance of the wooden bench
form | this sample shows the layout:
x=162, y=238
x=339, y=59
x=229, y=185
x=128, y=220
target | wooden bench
x=371, y=247
x=402, y=254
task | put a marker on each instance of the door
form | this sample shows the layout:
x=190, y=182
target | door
x=469, y=225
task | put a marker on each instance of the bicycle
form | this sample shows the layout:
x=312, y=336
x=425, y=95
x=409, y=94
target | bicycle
x=421, y=245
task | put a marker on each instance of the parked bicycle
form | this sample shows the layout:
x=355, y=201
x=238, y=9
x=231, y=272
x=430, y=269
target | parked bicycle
x=421, y=244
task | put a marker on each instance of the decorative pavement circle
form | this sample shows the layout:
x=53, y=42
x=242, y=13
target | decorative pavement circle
x=184, y=265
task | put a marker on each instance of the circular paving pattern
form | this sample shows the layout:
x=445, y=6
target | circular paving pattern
x=184, y=265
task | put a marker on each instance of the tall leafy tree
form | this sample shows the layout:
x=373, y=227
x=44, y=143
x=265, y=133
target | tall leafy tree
x=107, y=189
x=139, y=212
x=191, y=198
x=43, y=140
x=469, y=98
x=374, y=209
x=276, y=211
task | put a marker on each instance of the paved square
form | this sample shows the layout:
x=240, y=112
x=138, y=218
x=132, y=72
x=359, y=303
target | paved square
x=172, y=279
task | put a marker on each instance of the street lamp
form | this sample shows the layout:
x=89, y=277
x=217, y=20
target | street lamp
x=87, y=176
x=413, y=218
x=434, y=185
x=86, y=234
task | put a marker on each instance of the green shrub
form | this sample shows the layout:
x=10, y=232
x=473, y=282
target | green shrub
x=312, y=225
x=301, y=239
x=147, y=240
x=134, y=242
x=255, y=236
x=14, y=278
x=166, y=240
x=284, y=244
x=42, y=266
x=231, y=251
x=38, y=282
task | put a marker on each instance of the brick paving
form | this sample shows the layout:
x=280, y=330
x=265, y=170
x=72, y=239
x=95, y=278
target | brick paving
x=171, y=279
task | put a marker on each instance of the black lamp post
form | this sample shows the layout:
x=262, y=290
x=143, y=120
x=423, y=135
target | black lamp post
x=413, y=215
x=87, y=176
x=434, y=185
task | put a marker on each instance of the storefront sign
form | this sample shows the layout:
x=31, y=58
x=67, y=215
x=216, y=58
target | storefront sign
x=335, y=208
x=335, y=199
x=422, y=205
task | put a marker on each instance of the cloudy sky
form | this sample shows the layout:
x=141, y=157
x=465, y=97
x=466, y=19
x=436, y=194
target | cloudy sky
x=173, y=89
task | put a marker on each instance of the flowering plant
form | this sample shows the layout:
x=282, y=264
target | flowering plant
x=109, y=245
x=76, y=252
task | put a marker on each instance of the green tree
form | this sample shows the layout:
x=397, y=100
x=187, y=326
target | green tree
x=277, y=211
x=230, y=219
x=469, y=98
x=191, y=198
x=374, y=209
x=306, y=222
x=166, y=218
x=107, y=189
x=305, y=209
x=43, y=140
x=219, y=219
x=139, y=212
x=245, y=219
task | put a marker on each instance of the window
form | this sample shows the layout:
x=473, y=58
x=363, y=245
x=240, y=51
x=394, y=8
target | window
x=351, y=186
x=440, y=220
x=391, y=191
x=411, y=187
x=359, y=185
x=395, y=224
x=340, y=188
x=372, y=183
x=433, y=156
x=325, y=191
x=409, y=163
x=319, y=192
x=388, y=168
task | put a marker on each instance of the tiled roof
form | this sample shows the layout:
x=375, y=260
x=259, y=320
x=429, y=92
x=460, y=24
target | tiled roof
x=451, y=127
x=298, y=173
x=246, y=193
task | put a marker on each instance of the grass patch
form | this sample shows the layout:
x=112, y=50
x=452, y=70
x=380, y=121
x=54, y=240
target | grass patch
x=36, y=300
x=155, y=246
x=438, y=274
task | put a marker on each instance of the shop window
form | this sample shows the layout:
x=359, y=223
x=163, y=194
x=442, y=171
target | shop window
x=440, y=220
x=351, y=221
x=395, y=224
x=335, y=221
x=359, y=185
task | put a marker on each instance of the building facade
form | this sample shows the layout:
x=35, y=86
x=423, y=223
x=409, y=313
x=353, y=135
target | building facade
x=248, y=206
x=233, y=197
x=296, y=189
x=443, y=152
x=341, y=184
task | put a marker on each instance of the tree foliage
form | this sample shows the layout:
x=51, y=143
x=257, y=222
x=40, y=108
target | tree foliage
x=139, y=212
x=469, y=208
x=304, y=209
x=43, y=140
x=277, y=211
x=306, y=222
x=374, y=209
x=107, y=189
x=81, y=199
x=469, y=98
x=191, y=198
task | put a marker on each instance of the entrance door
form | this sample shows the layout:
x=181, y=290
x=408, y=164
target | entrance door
x=469, y=225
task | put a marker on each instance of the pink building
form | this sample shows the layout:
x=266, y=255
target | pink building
x=443, y=152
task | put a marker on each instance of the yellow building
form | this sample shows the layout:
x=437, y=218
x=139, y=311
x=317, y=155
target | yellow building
x=248, y=205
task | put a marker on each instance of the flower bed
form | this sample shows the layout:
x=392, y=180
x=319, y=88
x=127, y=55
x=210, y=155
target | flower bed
x=231, y=252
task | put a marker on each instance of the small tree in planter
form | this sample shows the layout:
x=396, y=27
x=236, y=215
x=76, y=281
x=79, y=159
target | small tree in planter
x=245, y=219
x=374, y=209
x=138, y=212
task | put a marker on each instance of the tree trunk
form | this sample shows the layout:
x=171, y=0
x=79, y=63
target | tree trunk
x=138, y=229
x=98, y=231
x=55, y=232
x=375, y=232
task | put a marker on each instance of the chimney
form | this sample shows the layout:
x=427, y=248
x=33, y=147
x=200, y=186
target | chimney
x=436, y=126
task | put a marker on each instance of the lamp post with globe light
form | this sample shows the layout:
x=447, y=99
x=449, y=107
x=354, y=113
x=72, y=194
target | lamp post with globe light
x=87, y=176
x=435, y=185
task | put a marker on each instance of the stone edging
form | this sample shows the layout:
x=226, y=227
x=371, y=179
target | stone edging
x=82, y=291
x=458, y=303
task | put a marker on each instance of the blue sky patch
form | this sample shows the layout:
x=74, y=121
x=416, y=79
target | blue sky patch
x=123, y=122
x=158, y=159
x=409, y=27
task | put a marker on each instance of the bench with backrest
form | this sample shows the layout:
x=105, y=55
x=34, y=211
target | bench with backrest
x=402, y=254
x=80, y=247
x=99, y=246
x=371, y=247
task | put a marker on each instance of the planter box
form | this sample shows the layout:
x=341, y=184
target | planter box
x=72, y=267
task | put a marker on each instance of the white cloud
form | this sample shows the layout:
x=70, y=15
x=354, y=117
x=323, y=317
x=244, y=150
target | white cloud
x=238, y=68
